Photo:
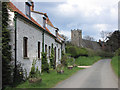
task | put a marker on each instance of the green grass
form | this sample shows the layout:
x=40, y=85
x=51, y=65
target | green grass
x=50, y=80
x=86, y=61
x=115, y=62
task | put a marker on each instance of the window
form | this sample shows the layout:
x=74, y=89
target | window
x=49, y=51
x=25, y=40
x=28, y=9
x=44, y=22
x=46, y=48
x=58, y=54
x=39, y=50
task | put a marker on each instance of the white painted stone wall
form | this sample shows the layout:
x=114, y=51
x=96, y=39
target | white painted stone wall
x=48, y=40
x=34, y=36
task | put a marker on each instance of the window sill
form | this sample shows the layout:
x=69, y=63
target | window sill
x=26, y=57
x=39, y=59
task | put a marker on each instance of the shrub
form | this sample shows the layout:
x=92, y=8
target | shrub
x=64, y=59
x=45, y=65
x=105, y=54
x=76, y=51
x=60, y=68
x=117, y=53
x=32, y=72
x=52, y=57
x=70, y=61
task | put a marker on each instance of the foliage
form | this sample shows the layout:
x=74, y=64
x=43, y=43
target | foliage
x=59, y=67
x=34, y=71
x=20, y=74
x=113, y=41
x=45, y=65
x=104, y=54
x=6, y=53
x=76, y=51
x=86, y=61
x=52, y=57
x=115, y=62
x=70, y=61
x=117, y=53
x=51, y=79
x=91, y=52
x=64, y=59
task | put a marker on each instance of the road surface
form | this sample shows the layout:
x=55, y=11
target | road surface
x=100, y=75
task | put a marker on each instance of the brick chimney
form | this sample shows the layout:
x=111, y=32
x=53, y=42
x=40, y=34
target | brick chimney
x=32, y=7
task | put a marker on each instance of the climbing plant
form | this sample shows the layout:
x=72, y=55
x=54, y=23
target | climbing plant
x=52, y=57
x=6, y=53
x=45, y=65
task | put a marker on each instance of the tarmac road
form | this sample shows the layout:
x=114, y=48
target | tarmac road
x=100, y=75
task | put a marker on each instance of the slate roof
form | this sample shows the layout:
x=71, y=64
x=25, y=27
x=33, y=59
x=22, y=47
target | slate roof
x=12, y=7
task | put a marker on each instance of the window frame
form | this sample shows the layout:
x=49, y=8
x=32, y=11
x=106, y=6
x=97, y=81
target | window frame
x=27, y=4
x=25, y=47
x=39, y=50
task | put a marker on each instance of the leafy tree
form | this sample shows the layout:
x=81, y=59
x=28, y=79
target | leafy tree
x=113, y=42
x=6, y=53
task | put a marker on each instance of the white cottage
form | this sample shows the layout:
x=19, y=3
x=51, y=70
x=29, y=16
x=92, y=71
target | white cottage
x=31, y=33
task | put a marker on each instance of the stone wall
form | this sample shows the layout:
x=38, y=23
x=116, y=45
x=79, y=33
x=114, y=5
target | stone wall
x=76, y=37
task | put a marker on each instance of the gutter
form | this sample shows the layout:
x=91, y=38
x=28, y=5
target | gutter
x=15, y=23
x=43, y=41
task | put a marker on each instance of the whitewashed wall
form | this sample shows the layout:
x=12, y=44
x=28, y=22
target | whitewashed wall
x=34, y=35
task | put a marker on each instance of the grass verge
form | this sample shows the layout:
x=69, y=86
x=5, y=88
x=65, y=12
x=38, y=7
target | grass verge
x=50, y=80
x=86, y=61
x=115, y=64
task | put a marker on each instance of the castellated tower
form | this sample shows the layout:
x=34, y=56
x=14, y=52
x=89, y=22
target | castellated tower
x=76, y=37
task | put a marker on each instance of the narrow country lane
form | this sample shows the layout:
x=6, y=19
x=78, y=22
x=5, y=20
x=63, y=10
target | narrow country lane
x=100, y=75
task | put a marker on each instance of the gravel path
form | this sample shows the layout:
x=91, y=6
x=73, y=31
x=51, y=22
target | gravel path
x=100, y=75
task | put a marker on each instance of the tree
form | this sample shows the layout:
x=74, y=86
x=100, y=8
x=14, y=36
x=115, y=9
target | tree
x=6, y=53
x=104, y=35
x=113, y=42
x=89, y=38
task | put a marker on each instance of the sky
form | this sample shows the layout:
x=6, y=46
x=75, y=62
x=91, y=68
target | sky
x=90, y=16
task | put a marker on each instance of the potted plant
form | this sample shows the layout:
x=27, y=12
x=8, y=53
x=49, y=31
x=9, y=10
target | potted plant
x=70, y=63
x=60, y=69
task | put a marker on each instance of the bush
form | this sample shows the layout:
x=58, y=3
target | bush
x=60, y=68
x=117, y=53
x=45, y=65
x=33, y=72
x=70, y=61
x=105, y=54
x=64, y=59
x=19, y=74
x=76, y=51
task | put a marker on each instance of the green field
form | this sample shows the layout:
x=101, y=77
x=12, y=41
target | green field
x=86, y=61
x=50, y=80
x=115, y=63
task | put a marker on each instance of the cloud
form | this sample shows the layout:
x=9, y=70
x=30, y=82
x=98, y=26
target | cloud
x=91, y=16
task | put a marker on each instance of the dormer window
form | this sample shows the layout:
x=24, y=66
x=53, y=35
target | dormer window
x=44, y=22
x=28, y=4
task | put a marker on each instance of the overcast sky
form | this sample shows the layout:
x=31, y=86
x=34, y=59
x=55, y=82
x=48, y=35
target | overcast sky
x=91, y=16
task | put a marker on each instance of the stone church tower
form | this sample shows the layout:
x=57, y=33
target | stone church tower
x=76, y=37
